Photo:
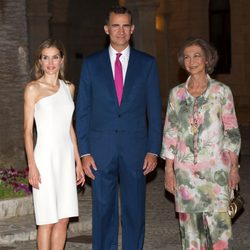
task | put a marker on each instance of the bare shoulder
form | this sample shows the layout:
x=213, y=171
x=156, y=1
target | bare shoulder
x=70, y=84
x=32, y=90
x=32, y=86
x=71, y=87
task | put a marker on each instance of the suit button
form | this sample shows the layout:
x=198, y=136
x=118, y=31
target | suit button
x=116, y=130
x=119, y=115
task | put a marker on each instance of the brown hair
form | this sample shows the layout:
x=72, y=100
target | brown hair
x=210, y=53
x=49, y=43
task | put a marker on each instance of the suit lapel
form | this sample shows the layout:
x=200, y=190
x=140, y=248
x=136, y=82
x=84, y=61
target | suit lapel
x=107, y=72
x=131, y=72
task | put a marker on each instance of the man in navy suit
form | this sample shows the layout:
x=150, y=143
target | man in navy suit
x=119, y=140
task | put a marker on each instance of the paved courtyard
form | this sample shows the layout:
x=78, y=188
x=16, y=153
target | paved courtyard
x=161, y=224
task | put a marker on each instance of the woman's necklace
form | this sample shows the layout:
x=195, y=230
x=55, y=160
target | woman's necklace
x=195, y=128
x=195, y=124
x=196, y=94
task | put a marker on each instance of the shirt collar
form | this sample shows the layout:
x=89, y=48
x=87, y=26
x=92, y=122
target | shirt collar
x=188, y=80
x=113, y=52
x=204, y=95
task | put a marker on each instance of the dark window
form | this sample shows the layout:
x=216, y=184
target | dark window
x=220, y=33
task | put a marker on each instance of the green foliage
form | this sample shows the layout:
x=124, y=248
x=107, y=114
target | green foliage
x=14, y=183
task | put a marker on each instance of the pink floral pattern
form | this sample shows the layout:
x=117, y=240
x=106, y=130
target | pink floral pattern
x=183, y=216
x=202, y=179
x=220, y=231
x=220, y=245
x=185, y=193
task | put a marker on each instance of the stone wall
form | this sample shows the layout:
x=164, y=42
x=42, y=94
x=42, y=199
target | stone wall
x=24, y=24
x=13, y=76
x=79, y=24
x=182, y=19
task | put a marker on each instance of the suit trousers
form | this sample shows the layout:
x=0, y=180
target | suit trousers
x=125, y=174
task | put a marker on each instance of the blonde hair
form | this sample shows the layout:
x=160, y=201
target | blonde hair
x=49, y=43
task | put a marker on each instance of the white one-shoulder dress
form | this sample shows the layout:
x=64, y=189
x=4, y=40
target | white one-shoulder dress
x=56, y=197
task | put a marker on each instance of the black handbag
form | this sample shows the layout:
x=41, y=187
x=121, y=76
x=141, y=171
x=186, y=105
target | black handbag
x=236, y=203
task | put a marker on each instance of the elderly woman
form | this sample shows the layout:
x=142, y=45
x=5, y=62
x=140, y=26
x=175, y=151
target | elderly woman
x=201, y=143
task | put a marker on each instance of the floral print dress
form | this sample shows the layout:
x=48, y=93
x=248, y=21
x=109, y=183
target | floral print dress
x=198, y=133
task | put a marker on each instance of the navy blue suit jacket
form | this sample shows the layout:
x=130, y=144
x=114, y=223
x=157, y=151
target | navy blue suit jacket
x=99, y=118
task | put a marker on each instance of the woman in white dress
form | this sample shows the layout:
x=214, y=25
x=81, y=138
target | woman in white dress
x=54, y=164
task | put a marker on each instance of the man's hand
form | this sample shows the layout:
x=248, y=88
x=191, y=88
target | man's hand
x=150, y=163
x=87, y=164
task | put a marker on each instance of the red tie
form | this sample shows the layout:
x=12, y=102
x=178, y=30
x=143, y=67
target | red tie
x=118, y=78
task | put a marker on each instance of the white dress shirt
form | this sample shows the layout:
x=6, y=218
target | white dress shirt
x=123, y=59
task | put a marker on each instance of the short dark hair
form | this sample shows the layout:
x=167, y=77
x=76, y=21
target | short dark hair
x=118, y=10
x=210, y=52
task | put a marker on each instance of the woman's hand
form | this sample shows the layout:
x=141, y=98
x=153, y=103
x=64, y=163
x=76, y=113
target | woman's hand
x=34, y=177
x=170, y=181
x=80, y=176
x=234, y=177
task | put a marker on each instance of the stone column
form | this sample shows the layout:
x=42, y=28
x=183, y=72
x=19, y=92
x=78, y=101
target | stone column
x=14, y=75
x=144, y=13
x=163, y=51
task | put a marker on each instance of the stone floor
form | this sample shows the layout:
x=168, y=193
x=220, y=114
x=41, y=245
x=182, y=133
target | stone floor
x=161, y=224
